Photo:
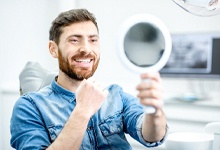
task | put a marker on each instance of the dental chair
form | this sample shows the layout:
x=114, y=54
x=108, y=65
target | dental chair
x=33, y=77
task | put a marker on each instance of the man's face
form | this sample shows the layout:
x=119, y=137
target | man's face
x=78, y=52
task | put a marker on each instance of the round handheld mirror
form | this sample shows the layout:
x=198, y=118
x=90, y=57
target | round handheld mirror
x=144, y=45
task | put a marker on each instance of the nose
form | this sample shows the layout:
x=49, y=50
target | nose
x=85, y=48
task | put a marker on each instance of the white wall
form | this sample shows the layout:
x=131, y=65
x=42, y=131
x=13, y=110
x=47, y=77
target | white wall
x=24, y=37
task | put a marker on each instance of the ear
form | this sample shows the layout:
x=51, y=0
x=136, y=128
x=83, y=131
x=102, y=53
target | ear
x=53, y=48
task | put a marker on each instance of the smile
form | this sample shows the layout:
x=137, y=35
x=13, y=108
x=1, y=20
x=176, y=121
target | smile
x=83, y=60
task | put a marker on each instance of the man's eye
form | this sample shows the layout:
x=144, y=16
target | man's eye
x=94, y=40
x=73, y=40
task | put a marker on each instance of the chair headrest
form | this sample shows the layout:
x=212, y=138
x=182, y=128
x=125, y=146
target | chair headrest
x=34, y=77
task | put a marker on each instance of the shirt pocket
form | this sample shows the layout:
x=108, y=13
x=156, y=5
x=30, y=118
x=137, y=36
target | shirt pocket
x=54, y=131
x=112, y=131
x=112, y=125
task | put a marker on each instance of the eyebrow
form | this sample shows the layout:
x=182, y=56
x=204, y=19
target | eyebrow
x=80, y=36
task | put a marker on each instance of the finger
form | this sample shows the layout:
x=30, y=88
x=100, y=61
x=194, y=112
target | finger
x=153, y=76
x=96, y=84
x=152, y=102
x=81, y=85
x=150, y=94
x=151, y=84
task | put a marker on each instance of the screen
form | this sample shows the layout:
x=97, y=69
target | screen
x=194, y=55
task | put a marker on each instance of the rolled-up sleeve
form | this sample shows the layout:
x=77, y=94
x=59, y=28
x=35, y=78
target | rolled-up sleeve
x=141, y=139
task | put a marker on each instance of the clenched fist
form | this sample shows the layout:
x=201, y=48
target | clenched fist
x=90, y=96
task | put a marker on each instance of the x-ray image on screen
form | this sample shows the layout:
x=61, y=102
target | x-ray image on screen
x=190, y=54
x=195, y=56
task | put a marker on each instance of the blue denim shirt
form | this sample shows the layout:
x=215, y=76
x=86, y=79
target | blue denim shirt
x=38, y=118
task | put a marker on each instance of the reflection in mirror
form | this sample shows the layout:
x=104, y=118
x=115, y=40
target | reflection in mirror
x=144, y=44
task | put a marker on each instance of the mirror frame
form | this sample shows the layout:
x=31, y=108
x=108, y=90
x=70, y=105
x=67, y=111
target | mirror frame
x=155, y=22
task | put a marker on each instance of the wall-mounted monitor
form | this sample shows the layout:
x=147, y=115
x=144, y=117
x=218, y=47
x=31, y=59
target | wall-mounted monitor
x=194, y=55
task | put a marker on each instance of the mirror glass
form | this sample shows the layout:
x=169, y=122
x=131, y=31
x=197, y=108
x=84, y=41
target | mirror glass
x=144, y=44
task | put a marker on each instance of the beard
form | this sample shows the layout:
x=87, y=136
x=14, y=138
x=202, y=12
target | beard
x=71, y=71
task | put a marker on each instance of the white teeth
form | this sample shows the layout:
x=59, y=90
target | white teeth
x=83, y=60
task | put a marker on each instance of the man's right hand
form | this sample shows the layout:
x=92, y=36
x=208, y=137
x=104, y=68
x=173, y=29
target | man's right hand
x=90, y=96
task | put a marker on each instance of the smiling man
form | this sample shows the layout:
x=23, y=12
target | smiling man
x=74, y=111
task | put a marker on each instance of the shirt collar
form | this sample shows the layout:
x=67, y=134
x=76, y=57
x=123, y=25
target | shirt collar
x=66, y=94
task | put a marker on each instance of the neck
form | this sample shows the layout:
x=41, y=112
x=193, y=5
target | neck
x=67, y=82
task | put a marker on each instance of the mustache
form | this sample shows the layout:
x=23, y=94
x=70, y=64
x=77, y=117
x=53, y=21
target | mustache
x=83, y=55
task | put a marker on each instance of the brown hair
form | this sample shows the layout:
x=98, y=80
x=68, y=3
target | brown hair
x=67, y=18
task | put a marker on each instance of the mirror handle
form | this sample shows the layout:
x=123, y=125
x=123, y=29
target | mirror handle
x=149, y=109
